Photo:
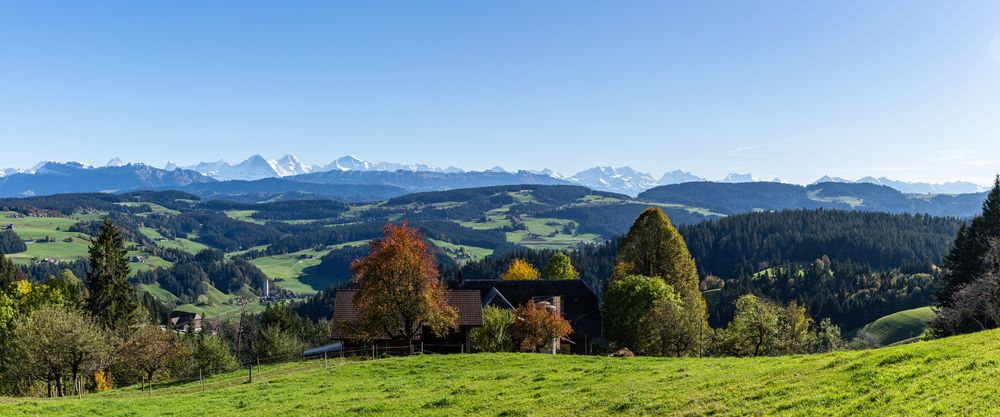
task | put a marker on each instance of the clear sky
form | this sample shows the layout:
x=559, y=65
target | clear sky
x=905, y=89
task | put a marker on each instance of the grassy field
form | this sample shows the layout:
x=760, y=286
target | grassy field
x=178, y=243
x=897, y=327
x=472, y=253
x=543, y=233
x=950, y=376
x=297, y=271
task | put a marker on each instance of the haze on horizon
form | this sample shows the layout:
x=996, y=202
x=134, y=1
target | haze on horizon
x=903, y=89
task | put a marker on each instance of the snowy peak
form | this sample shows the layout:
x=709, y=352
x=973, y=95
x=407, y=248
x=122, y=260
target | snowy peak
x=615, y=179
x=735, y=178
x=115, y=162
x=953, y=187
x=290, y=165
x=678, y=177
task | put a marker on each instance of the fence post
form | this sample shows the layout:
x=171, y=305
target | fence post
x=200, y=378
x=326, y=363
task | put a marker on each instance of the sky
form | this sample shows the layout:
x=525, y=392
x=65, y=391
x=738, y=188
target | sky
x=792, y=89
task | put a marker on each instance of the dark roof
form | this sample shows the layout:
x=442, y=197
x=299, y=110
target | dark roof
x=319, y=350
x=467, y=302
x=579, y=304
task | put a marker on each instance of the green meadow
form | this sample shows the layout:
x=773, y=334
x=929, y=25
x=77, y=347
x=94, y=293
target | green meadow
x=940, y=377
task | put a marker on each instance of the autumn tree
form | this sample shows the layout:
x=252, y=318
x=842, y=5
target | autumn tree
x=398, y=289
x=560, y=267
x=112, y=299
x=520, y=269
x=495, y=335
x=153, y=350
x=653, y=248
x=537, y=325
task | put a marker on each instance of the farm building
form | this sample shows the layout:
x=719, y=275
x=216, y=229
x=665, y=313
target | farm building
x=470, y=315
x=572, y=298
x=185, y=322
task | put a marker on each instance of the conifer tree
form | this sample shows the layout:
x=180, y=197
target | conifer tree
x=965, y=261
x=112, y=299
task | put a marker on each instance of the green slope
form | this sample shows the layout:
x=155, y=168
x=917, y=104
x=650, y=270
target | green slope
x=897, y=327
x=950, y=376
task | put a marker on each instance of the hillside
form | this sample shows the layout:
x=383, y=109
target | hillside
x=760, y=196
x=943, y=376
x=901, y=326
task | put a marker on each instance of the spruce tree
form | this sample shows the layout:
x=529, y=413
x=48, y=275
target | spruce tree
x=654, y=248
x=964, y=262
x=112, y=299
x=8, y=272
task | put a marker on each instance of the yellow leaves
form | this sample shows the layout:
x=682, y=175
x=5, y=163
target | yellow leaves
x=22, y=287
x=520, y=269
x=103, y=381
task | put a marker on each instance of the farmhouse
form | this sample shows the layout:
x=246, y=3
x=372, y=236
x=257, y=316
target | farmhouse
x=572, y=298
x=185, y=322
x=470, y=315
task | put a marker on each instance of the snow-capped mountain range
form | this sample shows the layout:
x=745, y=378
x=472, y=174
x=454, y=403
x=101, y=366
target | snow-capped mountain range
x=625, y=180
x=952, y=187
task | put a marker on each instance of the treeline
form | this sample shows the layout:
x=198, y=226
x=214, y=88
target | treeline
x=10, y=242
x=819, y=259
x=746, y=243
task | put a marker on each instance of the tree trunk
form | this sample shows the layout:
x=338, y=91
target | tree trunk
x=48, y=384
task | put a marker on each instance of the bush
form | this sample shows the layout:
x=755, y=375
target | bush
x=495, y=334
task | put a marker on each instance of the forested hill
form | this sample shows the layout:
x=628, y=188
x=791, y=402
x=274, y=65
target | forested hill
x=766, y=196
x=853, y=267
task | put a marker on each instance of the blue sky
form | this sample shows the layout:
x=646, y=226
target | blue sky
x=904, y=89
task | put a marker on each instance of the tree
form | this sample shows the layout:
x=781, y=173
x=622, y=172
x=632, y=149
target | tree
x=212, y=355
x=628, y=302
x=795, y=330
x=495, y=333
x=398, y=290
x=279, y=344
x=537, y=325
x=112, y=299
x=754, y=329
x=828, y=337
x=653, y=247
x=8, y=272
x=675, y=332
x=520, y=269
x=153, y=350
x=560, y=267
x=55, y=341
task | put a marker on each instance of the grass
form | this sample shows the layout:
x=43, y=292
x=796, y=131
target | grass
x=243, y=215
x=495, y=221
x=897, y=327
x=219, y=306
x=547, y=233
x=154, y=208
x=950, y=376
x=297, y=271
x=462, y=253
x=177, y=243
x=159, y=292
x=35, y=228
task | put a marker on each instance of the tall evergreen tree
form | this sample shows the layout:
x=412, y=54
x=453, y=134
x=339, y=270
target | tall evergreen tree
x=654, y=248
x=112, y=299
x=8, y=272
x=965, y=261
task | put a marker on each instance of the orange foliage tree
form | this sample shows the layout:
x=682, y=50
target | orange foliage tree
x=520, y=269
x=398, y=288
x=537, y=325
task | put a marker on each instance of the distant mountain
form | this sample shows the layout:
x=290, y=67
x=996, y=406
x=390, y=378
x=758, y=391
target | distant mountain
x=953, y=187
x=679, y=177
x=735, y=198
x=350, y=163
x=115, y=162
x=281, y=189
x=735, y=178
x=417, y=181
x=73, y=177
x=623, y=180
